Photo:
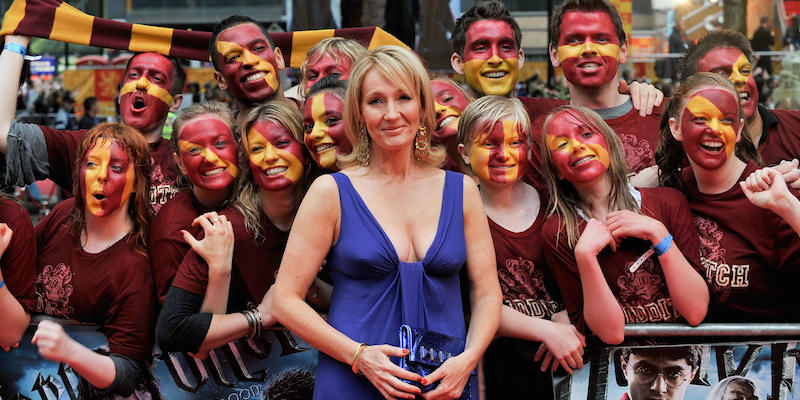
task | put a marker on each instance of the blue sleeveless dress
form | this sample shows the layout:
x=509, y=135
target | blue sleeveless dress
x=374, y=292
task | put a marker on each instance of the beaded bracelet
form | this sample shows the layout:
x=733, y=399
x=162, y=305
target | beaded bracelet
x=361, y=348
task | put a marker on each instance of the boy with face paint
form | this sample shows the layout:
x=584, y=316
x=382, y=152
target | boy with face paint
x=750, y=249
x=206, y=152
x=246, y=62
x=151, y=87
x=494, y=138
x=776, y=133
x=323, y=122
x=615, y=249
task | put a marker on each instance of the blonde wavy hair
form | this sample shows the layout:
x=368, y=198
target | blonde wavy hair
x=339, y=49
x=564, y=199
x=405, y=67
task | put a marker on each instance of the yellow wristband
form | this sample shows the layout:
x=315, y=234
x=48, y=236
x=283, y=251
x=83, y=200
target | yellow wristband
x=361, y=348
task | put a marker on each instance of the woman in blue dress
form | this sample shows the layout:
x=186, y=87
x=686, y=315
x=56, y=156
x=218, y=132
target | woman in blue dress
x=396, y=242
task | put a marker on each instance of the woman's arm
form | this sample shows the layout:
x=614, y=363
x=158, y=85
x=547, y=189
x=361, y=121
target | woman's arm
x=312, y=235
x=55, y=345
x=601, y=310
x=765, y=188
x=14, y=319
x=216, y=249
x=485, y=299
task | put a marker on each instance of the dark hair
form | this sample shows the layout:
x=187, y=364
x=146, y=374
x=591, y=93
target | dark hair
x=493, y=10
x=713, y=40
x=692, y=354
x=329, y=83
x=585, y=6
x=89, y=102
x=178, y=75
x=231, y=21
x=670, y=156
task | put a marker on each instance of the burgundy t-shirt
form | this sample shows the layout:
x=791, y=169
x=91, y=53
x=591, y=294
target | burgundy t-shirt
x=167, y=247
x=528, y=286
x=643, y=294
x=782, y=139
x=62, y=148
x=17, y=262
x=751, y=256
x=255, y=265
x=112, y=288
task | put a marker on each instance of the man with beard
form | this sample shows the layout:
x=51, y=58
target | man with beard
x=151, y=87
x=776, y=133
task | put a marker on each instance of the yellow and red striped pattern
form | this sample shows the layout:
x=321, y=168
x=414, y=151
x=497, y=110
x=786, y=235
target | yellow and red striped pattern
x=56, y=20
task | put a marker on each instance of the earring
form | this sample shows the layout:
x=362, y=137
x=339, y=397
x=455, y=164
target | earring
x=421, y=144
x=363, y=151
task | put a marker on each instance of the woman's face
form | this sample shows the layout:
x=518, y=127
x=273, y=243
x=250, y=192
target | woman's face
x=498, y=155
x=450, y=103
x=709, y=126
x=324, y=129
x=578, y=152
x=208, y=152
x=391, y=111
x=107, y=178
x=276, y=159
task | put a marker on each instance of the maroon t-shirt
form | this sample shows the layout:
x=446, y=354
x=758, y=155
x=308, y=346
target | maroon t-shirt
x=643, y=294
x=62, y=148
x=17, y=262
x=167, y=247
x=781, y=141
x=527, y=285
x=751, y=256
x=255, y=265
x=112, y=288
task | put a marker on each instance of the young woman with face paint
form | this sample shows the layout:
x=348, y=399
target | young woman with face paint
x=17, y=267
x=92, y=265
x=495, y=135
x=614, y=249
x=750, y=253
x=236, y=261
x=382, y=239
x=451, y=100
x=323, y=122
x=206, y=152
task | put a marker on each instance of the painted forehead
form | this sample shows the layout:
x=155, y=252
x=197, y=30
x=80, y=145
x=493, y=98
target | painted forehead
x=323, y=103
x=568, y=121
x=587, y=23
x=494, y=29
x=721, y=57
x=152, y=62
x=270, y=130
x=718, y=99
x=242, y=34
x=203, y=126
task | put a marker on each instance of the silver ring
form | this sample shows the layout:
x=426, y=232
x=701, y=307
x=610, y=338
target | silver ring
x=215, y=220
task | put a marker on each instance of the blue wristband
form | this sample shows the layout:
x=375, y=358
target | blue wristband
x=663, y=245
x=2, y=283
x=16, y=48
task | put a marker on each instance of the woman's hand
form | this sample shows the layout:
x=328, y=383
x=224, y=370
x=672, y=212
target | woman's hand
x=624, y=224
x=790, y=170
x=54, y=344
x=765, y=188
x=452, y=376
x=643, y=95
x=385, y=375
x=595, y=238
x=216, y=247
x=563, y=345
x=265, y=308
x=5, y=238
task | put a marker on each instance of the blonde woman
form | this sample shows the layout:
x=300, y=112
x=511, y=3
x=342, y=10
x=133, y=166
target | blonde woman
x=399, y=236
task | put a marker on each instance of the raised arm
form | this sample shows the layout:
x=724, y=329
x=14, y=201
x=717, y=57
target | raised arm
x=11, y=65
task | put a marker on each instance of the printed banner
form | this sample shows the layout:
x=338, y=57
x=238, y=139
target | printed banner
x=275, y=362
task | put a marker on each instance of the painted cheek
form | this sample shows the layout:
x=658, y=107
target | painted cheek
x=479, y=159
x=475, y=68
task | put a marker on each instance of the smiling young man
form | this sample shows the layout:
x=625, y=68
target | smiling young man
x=151, y=87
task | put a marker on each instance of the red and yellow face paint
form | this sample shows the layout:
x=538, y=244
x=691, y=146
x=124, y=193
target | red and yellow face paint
x=578, y=152
x=107, y=178
x=498, y=155
x=709, y=127
x=276, y=159
x=145, y=96
x=325, y=66
x=588, y=48
x=324, y=129
x=247, y=63
x=208, y=152
x=734, y=65
x=491, y=57
x=450, y=103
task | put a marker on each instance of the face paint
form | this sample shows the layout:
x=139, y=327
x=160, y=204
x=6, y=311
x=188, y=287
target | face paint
x=325, y=66
x=208, y=152
x=108, y=177
x=491, y=57
x=578, y=152
x=450, y=103
x=498, y=156
x=324, y=129
x=276, y=159
x=588, y=48
x=709, y=126
x=145, y=97
x=731, y=63
x=247, y=63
